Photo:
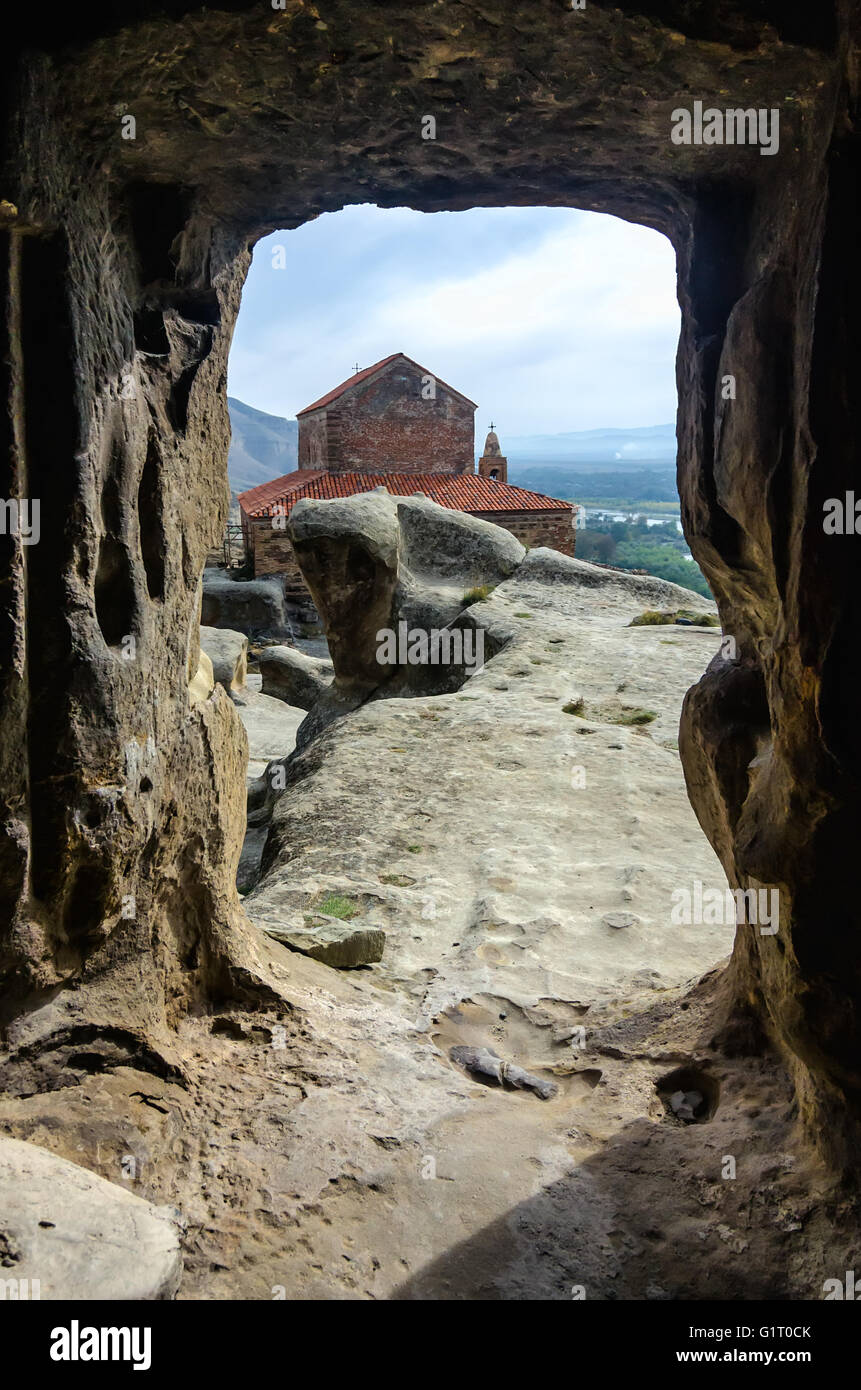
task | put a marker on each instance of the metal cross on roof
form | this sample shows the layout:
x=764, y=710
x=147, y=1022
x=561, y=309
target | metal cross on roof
x=492, y=426
x=356, y=368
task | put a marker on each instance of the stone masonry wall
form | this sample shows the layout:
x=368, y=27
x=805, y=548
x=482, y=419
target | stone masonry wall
x=273, y=553
x=553, y=529
x=387, y=426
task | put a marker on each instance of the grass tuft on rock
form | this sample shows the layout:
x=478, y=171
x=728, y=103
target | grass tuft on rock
x=636, y=716
x=476, y=594
x=652, y=617
x=574, y=706
x=337, y=905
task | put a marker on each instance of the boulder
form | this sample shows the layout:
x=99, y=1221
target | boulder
x=333, y=942
x=270, y=724
x=78, y=1235
x=253, y=606
x=451, y=551
x=290, y=675
x=379, y=565
x=347, y=550
x=228, y=652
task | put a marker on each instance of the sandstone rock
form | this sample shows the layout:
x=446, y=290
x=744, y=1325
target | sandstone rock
x=228, y=652
x=454, y=816
x=248, y=870
x=202, y=684
x=348, y=553
x=125, y=267
x=447, y=553
x=291, y=675
x=255, y=607
x=377, y=565
x=620, y=920
x=333, y=943
x=270, y=724
x=80, y=1236
x=546, y=568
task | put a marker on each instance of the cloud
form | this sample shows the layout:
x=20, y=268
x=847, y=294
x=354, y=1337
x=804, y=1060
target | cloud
x=551, y=319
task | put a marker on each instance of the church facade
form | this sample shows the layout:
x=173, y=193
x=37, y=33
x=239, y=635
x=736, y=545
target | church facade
x=398, y=426
x=393, y=417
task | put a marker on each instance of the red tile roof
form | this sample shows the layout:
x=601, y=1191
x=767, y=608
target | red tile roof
x=255, y=501
x=369, y=371
x=463, y=492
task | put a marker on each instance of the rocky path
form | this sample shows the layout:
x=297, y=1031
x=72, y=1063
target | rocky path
x=521, y=837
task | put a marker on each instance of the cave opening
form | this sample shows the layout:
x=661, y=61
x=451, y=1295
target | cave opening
x=565, y=324
x=138, y=187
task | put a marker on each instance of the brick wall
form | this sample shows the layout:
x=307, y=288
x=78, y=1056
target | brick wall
x=552, y=528
x=273, y=554
x=385, y=426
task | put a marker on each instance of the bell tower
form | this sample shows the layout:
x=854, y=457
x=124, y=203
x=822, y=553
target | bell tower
x=492, y=463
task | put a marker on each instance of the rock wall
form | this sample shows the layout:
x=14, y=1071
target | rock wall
x=124, y=249
x=122, y=779
x=769, y=736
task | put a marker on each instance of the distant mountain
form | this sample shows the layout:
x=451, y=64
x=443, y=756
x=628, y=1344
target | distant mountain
x=265, y=446
x=261, y=446
x=616, y=448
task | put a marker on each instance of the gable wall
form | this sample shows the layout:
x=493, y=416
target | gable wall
x=387, y=426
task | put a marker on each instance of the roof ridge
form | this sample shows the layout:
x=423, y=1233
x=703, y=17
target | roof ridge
x=367, y=372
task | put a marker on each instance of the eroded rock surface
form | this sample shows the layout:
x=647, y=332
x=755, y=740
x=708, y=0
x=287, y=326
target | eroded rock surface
x=334, y=943
x=78, y=1236
x=121, y=779
x=490, y=831
x=291, y=675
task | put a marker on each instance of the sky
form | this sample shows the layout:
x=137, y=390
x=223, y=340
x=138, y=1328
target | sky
x=550, y=319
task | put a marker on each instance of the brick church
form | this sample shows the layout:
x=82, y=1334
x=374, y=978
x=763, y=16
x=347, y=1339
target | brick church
x=397, y=425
